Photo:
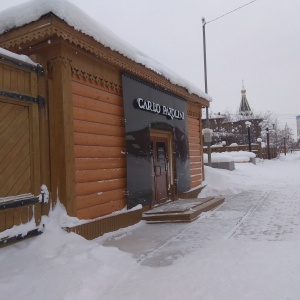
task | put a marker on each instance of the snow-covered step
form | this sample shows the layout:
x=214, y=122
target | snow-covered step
x=182, y=210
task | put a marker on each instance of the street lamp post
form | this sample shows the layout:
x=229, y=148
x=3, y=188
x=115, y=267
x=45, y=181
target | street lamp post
x=205, y=68
x=284, y=146
x=206, y=89
x=204, y=54
x=268, y=143
x=248, y=124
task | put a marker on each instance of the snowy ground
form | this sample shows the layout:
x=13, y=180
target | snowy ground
x=248, y=248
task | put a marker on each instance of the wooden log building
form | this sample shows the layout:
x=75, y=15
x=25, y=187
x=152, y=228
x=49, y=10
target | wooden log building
x=99, y=130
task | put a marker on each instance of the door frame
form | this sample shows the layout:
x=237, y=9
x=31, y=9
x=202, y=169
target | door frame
x=168, y=135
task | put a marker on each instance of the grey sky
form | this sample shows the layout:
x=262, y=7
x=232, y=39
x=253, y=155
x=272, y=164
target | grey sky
x=258, y=44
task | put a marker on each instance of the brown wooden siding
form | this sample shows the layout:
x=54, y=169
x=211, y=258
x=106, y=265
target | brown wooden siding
x=195, y=151
x=19, y=146
x=14, y=150
x=16, y=80
x=99, y=146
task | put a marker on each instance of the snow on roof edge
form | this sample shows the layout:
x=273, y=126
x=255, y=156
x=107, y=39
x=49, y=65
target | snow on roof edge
x=19, y=57
x=33, y=10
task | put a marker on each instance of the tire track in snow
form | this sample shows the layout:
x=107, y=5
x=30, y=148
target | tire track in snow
x=247, y=215
x=152, y=253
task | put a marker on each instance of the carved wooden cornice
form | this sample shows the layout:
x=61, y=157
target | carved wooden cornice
x=66, y=62
x=103, y=83
x=52, y=26
x=17, y=42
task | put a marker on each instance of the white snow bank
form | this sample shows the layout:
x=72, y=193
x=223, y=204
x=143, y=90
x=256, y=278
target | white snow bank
x=242, y=153
x=64, y=220
x=20, y=230
x=19, y=57
x=249, y=176
x=236, y=156
x=60, y=265
x=32, y=10
x=224, y=182
x=217, y=157
x=241, y=156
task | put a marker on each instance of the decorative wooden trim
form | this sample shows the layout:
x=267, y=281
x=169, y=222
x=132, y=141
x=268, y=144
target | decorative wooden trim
x=64, y=61
x=52, y=26
x=30, y=36
x=106, y=85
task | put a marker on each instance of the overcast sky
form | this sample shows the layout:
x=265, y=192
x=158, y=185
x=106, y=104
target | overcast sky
x=259, y=43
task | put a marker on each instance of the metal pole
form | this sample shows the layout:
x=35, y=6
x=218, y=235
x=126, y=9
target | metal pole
x=204, y=55
x=206, y=89
x=268, y=143
x=284, y=145
x=249, y=139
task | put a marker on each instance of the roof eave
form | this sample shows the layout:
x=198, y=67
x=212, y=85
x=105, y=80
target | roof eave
x=49, y=25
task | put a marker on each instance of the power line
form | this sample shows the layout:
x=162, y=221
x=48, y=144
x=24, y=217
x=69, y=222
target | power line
x=230, y=12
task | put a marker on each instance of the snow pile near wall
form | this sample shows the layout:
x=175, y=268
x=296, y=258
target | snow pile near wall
x=61, y=265
x=59, y=214
x=241, y=156
x=217, y=157
x=20, y=230
x=236, y=156
x=32, y=10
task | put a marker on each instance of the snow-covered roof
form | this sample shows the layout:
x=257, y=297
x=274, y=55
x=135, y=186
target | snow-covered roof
x=19, y=57
x=33, y=10
x=213, y=116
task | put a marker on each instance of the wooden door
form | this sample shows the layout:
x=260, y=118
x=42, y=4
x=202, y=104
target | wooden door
x=19, y=166
x=15, y=177
x=20, y=183
x=159, y=150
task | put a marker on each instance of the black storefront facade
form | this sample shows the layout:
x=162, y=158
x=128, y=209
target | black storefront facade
x=157, y=147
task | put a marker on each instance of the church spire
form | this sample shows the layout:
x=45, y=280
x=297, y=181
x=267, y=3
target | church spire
x=244, y=109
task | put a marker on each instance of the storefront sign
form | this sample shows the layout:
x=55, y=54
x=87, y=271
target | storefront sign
x=148, y=108
x=159, y=109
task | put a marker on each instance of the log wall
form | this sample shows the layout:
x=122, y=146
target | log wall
x=195, y=145
x=99, y=141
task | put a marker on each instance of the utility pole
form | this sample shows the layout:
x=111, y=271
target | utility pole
x=205, y=67
x=206, y=89
x=268, y=143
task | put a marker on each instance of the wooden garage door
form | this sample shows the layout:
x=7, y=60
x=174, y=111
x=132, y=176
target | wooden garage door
x=15, y=175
